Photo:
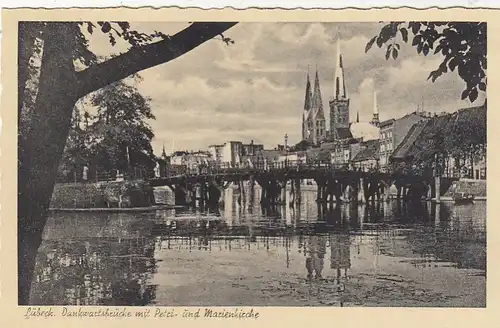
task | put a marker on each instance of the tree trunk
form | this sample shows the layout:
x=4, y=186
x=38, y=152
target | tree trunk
x=27, y=37
x=41, y=150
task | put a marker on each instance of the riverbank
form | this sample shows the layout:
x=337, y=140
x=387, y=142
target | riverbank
x=117, y=209
x=477, y=188
x=102, y=195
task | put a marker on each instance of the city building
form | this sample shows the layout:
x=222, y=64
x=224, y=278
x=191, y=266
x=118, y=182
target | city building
x=368, y=155
x=251, y=148
x=345, y=150
x=427, y=139
x=393, y=131
x=231, y=153
x=216, y=152
x=190, y=159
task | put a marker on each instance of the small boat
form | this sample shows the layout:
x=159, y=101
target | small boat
x=463, y=198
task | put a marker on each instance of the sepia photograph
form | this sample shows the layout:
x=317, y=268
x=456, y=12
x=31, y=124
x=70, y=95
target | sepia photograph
x=292, y=164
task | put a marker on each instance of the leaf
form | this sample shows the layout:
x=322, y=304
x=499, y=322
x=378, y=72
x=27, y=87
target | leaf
x=465, y=93
x=415, y=27
x=106, y=27
x=482, y=86
x=112, y=39
x=438, y=48
x=370, y=44
x=404, y=34
x=124, y=25
x=473, y=94
x=416, y=40
x=425, y=49
x=394, y=53
x=90, y=28
x=388, y=53
x=453, y=64
x=419, y=48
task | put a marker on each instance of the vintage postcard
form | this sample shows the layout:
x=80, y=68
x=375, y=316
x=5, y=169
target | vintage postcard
x=255, y=164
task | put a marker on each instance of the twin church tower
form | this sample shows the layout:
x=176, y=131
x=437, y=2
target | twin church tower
x=313, y=120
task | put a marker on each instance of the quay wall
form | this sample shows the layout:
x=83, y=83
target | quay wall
x=470, y=186
x=102, y=194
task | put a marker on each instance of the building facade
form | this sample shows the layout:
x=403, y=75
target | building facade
x=251, y=149
x=393, y=131
x=368, y=156
x=216, y=152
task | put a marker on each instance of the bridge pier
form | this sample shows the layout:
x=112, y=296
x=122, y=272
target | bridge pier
x=298, y=195
x=215, y=191
x=270, y=191
x=283, y=191
x=321, y=183
x=292, y=192
x=251, y=190
x=329, y=190
x=386, y=186
x=361, y=191
x=437, y=183
x=372, y=189
x=181, y=195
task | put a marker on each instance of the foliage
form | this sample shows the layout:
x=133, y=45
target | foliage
x=462, y=44
x=466, y=135
x=101, y=140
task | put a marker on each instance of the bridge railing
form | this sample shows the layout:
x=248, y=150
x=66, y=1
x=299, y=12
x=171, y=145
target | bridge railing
x=272, y=166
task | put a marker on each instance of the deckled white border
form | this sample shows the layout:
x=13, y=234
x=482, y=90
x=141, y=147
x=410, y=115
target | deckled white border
x=254, y=3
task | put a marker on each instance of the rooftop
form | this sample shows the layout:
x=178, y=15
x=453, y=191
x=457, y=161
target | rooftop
x=423, y=140
x=369, y=151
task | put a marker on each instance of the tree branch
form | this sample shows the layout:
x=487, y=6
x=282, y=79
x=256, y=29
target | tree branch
x=144, y=57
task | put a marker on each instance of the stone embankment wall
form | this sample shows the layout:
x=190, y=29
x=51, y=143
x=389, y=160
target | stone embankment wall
x=110, y=194
x=469, y=186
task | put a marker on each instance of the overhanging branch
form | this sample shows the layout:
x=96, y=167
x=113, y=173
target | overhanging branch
x=144, y=57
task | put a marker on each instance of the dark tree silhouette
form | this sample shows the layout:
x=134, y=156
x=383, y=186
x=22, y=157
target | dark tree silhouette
x=462, y=44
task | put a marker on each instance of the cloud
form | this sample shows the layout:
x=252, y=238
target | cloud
x=254, y=89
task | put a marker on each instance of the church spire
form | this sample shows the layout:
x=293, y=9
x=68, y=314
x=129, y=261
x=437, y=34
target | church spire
x=340, y=91
x=317, y=101
x=375, y=120
x=307, y=101
x=357, y=117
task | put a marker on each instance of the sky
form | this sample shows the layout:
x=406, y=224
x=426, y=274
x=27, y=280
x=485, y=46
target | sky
x=254, y=89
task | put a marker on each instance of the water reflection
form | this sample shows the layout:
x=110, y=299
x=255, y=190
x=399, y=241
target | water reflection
x=162, y=257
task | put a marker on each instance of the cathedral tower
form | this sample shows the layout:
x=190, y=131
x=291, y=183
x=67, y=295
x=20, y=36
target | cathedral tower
x=339, y=105
x=313, y=119
x=318, y=112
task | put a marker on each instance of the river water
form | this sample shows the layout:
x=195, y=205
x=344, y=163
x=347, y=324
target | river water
x=383, y=254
